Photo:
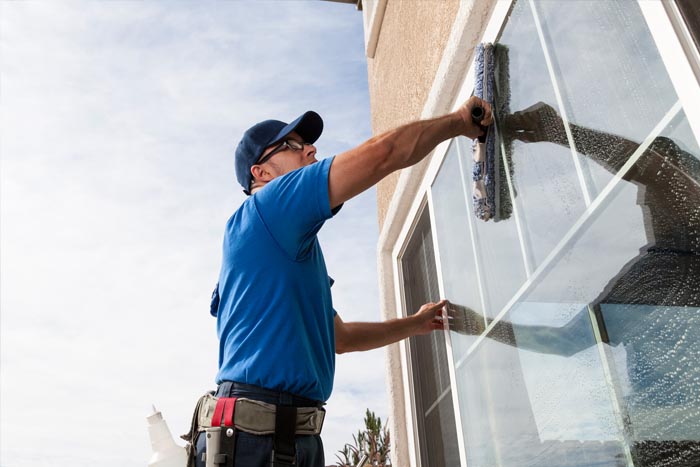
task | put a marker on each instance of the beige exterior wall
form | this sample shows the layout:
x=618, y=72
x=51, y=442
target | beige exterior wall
x=410, y=46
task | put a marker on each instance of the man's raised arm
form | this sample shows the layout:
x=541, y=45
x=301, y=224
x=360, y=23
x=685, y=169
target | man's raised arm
x=358, y=169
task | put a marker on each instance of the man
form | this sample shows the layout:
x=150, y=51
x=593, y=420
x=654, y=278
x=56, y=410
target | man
x=277, y=327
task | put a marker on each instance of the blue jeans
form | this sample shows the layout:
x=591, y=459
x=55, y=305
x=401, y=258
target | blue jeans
x=256, y=451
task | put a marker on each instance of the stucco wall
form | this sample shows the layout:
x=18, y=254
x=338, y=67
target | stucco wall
x=411, y=42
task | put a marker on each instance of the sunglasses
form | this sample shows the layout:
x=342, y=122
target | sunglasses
x=292, y=144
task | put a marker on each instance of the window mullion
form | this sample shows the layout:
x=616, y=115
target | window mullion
x=560, y=103
x=682, y=63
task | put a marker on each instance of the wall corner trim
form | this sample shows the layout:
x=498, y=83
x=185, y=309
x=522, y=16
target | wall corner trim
x=373, y=26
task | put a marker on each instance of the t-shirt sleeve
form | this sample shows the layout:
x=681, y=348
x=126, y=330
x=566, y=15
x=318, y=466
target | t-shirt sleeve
x=295, y=206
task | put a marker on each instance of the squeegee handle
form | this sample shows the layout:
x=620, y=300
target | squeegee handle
x=477, y=116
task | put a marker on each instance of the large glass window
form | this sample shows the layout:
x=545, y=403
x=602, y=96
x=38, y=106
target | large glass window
x=432, y=396
x=575, y=323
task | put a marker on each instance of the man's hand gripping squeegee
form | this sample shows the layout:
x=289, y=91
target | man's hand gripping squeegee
x=478, y=114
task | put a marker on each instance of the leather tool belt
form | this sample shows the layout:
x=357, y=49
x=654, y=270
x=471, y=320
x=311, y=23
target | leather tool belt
x=258, y=418
x=219, y=419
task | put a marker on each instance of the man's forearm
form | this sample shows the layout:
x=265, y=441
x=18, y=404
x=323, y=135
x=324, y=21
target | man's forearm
x=410, y=143
x=362, y=167
x=367, y=336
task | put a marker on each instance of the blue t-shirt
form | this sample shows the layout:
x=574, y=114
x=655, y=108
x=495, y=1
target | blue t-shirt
x=275, y=313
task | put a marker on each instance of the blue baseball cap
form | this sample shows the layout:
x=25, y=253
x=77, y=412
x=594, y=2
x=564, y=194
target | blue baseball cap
x=261, y=135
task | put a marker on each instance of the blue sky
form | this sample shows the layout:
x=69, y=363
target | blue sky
x=118, y=123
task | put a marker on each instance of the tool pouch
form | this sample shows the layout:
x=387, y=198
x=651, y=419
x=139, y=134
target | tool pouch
x=221, y=436
x=226, y=455
x=221, y=445
x=200, y=419
x=214, y=418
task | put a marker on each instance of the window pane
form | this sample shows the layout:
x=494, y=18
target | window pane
x=440, y=444
x=538, y=390
x=548, y=193
x=498, y=248
x=596, y=363
x=530, y=408
x=546, y=187
x=611, y=77
x=650, y=310
x=452, y=220
x=428, y=356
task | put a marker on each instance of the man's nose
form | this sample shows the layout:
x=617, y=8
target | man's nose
x=309, y=148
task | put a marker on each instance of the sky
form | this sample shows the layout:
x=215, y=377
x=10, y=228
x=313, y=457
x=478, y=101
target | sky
x=118, y=122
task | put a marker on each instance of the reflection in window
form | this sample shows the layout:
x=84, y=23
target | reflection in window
x=630, y=79
x=641, y=296
x=650, y=310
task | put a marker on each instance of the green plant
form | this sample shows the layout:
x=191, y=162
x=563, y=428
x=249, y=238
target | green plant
x=374, y=442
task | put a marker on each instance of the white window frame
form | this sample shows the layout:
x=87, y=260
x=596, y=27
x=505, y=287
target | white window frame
x=679, y=62
x=406, y=369
x=679, y=54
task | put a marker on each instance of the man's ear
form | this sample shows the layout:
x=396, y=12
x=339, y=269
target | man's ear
x=260, y=173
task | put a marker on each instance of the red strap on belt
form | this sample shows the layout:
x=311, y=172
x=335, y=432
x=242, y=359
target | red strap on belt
x=218, y=411
x=228, y=411
x=225, y=407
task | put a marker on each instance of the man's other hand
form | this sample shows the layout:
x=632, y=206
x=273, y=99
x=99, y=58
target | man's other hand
x=429, y=318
